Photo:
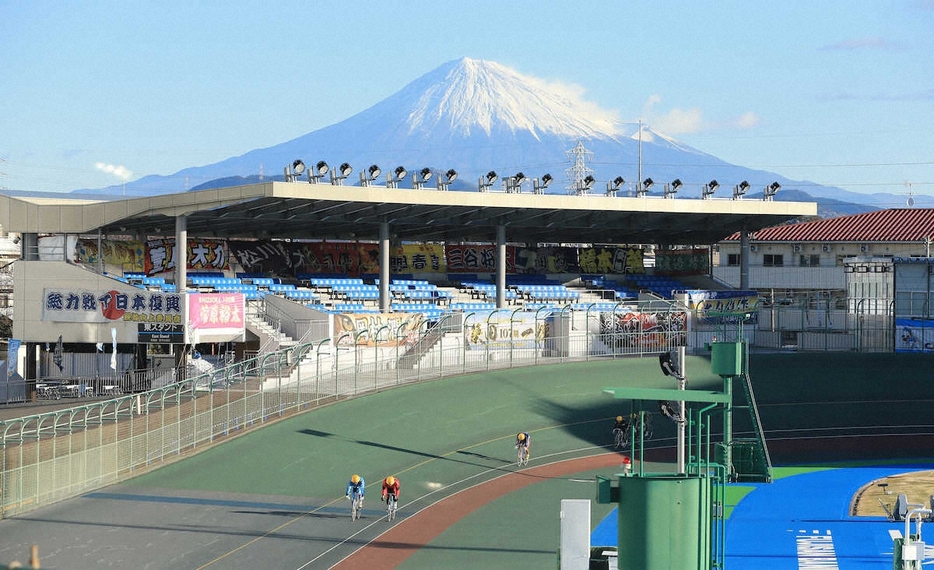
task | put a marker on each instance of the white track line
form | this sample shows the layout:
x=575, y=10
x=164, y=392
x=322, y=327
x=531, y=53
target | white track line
x=438, y=490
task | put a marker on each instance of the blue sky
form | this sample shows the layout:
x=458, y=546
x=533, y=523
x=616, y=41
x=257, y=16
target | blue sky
x=833, y=91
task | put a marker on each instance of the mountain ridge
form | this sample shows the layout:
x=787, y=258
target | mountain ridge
x=475, y=116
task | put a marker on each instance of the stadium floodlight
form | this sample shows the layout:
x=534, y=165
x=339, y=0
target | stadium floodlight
x=371, y=174
x=398, y=175
x=444, y=180
x=740, y=189
x=644, y=188
x=672, y=188
x=486, y=182
x=586, y=184
x=709, y=189
x=420, y=178
x=343, y=171
x=667, y=365
x=538, y=186
x=613, y=185
x=513, y=184
x=770, y=191
x=315, y=175
x=294, y=171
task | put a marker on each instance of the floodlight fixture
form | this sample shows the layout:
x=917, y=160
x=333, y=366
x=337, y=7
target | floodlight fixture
x=444, y=181
x=397, y=175
x=740, y=189
x=317, y=173
x=420, y=178
x=613, y=185
x=293, y=171
x=538, y=186
x=343, y=171
x=668, y=366
x=587, y=183
x=513, y=184
x=644, y=188
x=709, y=189
x=672, y=188
x=371, y=174
x=770, y=191
x=486, y=182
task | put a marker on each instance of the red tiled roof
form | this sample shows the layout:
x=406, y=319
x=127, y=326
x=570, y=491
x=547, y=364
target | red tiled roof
x=900, y=224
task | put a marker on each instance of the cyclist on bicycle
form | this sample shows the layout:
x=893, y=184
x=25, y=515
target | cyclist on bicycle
x=523, y=439
x=390, y=487
x=357, y=484
x=621, y=424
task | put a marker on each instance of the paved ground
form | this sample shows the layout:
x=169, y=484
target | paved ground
x=274, y=498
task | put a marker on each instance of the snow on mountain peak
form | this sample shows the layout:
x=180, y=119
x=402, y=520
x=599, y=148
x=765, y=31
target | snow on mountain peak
x=468, y=95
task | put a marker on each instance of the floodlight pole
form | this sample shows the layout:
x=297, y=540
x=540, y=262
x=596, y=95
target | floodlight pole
x=682, y=425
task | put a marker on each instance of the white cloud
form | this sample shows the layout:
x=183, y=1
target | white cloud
x=747, y=120
x=121, y=172
x=678, y=121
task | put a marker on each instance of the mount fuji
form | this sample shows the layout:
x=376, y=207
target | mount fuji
x=475, y=116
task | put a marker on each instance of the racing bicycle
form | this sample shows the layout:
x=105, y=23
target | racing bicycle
x=390, y=507
x=523, y=458
x=356, y=501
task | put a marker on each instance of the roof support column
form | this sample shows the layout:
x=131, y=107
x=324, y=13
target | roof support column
x=181, y=269
x=500, y=266
x=744, y=258
x=384, y=267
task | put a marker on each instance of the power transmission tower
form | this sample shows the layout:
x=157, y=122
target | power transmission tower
x=580, y=176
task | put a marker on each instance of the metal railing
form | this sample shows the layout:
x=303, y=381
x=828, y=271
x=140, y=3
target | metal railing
x=56, y=455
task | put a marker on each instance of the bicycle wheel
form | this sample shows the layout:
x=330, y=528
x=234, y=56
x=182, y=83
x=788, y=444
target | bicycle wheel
x=390, y=508
x=355, y=508
x=619, y=438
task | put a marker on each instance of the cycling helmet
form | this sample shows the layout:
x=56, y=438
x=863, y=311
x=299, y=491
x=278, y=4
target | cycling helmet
x=390, y=480
x=355, y=479
x=521, y=437
x=619, y=418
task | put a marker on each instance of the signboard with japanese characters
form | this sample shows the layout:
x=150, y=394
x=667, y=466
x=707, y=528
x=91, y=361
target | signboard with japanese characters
x=83, y=306
x=160, y=333
x=217, y=317
x=202, y=255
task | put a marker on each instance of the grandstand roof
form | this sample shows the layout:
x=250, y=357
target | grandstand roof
x=899, y=224
x=324, y=211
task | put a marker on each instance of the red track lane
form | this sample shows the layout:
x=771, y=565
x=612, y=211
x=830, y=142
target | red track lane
x=404, y=539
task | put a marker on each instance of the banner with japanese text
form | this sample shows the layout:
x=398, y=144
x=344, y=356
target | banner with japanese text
x=262, y=256
x=417, y=258
x=543, y=260
x=476, y=258
x=661, y=330
x=346, y=258
x=216, y=315
x=500, y=329
x=202, y=255
x=129, y=256
x=83, y=306
x=724, y=306
x=377, y=329
x=914, y=335
x=682, y=262
x=605, y=260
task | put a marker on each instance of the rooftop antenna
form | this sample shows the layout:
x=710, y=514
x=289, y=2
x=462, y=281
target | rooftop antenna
x=910, y=202
x=579, y=172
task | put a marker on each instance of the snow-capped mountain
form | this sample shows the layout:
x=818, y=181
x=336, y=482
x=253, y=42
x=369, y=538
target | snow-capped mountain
x=474, y=116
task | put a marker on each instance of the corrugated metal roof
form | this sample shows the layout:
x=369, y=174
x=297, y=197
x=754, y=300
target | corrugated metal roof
x=899, y=224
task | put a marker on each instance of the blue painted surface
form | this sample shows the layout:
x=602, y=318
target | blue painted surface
x=802, y=521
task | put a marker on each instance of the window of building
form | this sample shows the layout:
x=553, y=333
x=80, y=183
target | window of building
x=812, y=260
x=773, y=260
x=732, y=259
